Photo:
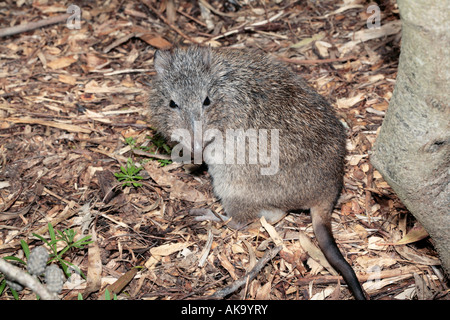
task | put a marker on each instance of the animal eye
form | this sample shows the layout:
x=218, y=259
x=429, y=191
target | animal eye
x=207, y=102
x=173, y=105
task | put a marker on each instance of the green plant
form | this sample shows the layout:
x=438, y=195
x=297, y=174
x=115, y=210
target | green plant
x=108, y=295
x=129, y=174
x=67, y=236
x=25, y=249
x=130, y=141
x=160, y=142
x=164, y=162
x=157, y=143
x=3, y=283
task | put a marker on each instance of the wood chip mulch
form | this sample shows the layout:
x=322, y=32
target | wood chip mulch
x=73, y=111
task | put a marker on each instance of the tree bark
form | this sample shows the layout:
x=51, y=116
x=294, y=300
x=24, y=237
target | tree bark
x=412, y=150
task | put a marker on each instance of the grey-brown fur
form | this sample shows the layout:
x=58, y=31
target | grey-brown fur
x=247, y=89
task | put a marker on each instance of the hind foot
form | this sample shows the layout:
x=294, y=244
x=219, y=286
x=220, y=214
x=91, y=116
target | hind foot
x=203, y=214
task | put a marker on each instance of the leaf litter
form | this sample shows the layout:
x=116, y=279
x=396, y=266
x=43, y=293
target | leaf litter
x=69, y=99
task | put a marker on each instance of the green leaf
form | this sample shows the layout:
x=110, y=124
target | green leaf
x=69, y=235
x=64, y=250
x=51, y=232
x=43, y=240
x=120, y=177
x=129, y=174
x=15, y=294
x=166, y=148
x=64, y=266
x=62, y=236
x=2, y=286
x=83, y=242
x=66, y=271
x=25, y=248
x=15, y=259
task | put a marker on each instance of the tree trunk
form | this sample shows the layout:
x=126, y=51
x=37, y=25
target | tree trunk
x=412, y=151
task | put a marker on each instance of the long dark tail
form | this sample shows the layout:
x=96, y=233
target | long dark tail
x=322, y=230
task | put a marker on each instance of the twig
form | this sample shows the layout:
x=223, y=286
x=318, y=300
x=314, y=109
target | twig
x=16, y=274
x=219, y=13
x=250, y=27
x=54, y=124
x=151, y=155
x=317, y=61
x=120, y=283
x=269, y=255
x=191, y=18
x=121, y=40
x=113, y=73
x=166, y=21
x=384, y=274
x=33, y=25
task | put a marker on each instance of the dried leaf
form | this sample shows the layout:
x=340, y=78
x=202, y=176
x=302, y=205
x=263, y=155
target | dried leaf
x=345, y=103
x=157, y=42
x=416, y=256
x=94, y=275
x=65, y=78
x=314, y=252
x=93, y=61
x=168, y=249
x=62, y=62
x=264, y=292
x=323, y=294
x=228, y=265
x=307, y=41
x=377, y=243
x=272, y=232
x=415, y=234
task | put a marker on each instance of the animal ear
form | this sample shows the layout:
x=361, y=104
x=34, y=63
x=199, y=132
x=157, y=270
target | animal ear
x=207, y=56
x=161, y=61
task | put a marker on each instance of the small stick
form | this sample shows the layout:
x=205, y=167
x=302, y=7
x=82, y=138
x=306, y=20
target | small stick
x=151, y=155
x=120, y=41
x=166, y=21
x=269, y=255
x=250, y=27
x=33, y=25
x=219, y=13
x=317, y=61
x=191, y=17
x=385, y=274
